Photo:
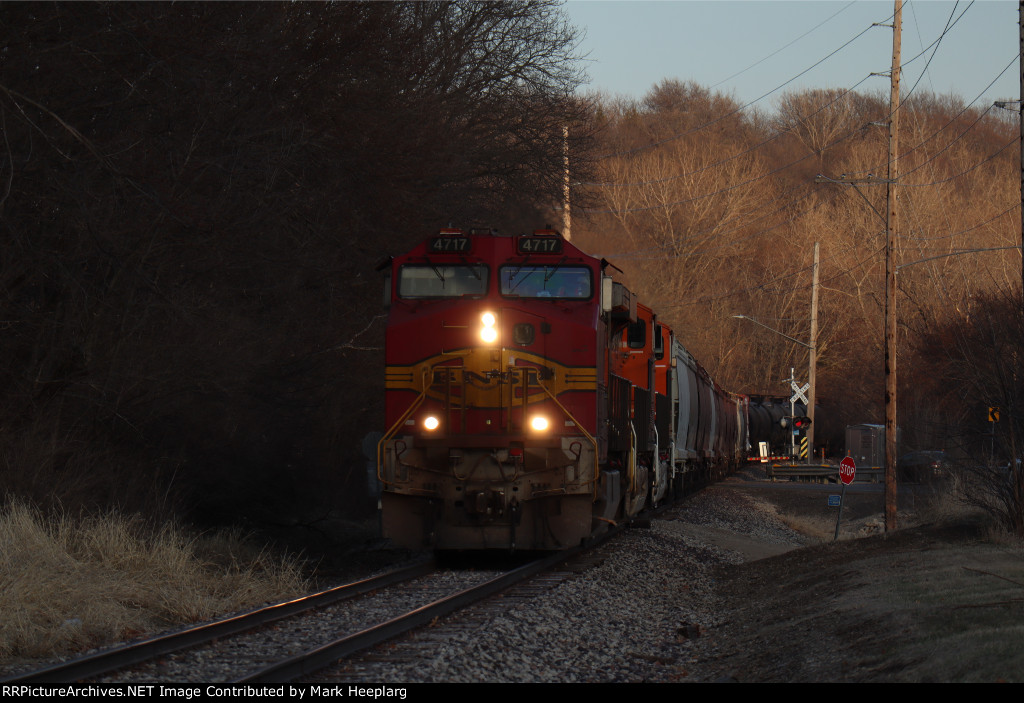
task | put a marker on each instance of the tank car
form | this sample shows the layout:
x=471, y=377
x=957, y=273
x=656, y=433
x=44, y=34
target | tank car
x=531, y=400
x=771, y=423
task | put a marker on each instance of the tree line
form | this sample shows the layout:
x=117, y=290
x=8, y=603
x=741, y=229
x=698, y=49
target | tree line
x=194, y=198
x=713, y=211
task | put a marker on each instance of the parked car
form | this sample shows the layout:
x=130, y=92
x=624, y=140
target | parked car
x=923, y=466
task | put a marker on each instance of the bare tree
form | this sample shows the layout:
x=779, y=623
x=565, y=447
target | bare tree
x=194, y=197
x=818, y=118
x=982, y=391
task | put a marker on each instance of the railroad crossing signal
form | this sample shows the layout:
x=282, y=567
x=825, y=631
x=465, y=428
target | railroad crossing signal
x=993, y=414
x=798, y=392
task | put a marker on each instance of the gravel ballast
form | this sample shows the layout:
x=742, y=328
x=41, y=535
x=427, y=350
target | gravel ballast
x=646, y=613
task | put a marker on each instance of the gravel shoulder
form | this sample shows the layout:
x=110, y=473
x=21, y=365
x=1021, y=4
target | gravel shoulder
x=937, y=600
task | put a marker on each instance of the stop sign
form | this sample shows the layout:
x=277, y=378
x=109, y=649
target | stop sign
x=847, y=470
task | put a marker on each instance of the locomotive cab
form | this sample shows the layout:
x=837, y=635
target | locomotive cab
x=491, y=375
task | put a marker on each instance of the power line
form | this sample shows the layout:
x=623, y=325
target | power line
x=804, y=158
x=714, y=229
x=781, y=49
x=957, y=253
x=753, y=148
x=679, y=135
x=726, y=189
x=742, y=107
x=1007, y=211
x=951, y=121
x=764, y=287
x=981, y=163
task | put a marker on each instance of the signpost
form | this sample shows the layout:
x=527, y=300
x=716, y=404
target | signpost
x=847, y=472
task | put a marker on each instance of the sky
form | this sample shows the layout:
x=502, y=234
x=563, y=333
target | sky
x=756, y=50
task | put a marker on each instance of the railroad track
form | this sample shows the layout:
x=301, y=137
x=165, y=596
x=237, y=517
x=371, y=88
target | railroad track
x=329, y=654
x=371, y=665
x=291, y=640
x=122, y=657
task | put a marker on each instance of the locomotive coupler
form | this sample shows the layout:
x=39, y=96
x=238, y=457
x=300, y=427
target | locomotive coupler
x=485, y=503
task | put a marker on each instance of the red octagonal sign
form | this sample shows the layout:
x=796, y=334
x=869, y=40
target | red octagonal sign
x=847, y=470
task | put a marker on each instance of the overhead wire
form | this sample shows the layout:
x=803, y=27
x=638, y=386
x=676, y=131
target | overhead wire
x=764, y=285
x=949, y=25
x=797, y=161
x=952, y=121
x=742, y=107
x=744, y=217
x=967, y=170
x=638, y=254
x=712, y=231
x=939, y=282
x=979, y=225
x=776, y=136
x=783, y=48
x=753, y=148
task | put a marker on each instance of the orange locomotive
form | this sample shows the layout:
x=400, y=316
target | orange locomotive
x=531, y=401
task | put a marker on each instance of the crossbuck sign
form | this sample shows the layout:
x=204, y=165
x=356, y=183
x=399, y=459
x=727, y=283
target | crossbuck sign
x=799, y=391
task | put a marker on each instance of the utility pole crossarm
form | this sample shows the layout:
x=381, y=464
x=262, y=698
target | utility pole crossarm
x=870, y=179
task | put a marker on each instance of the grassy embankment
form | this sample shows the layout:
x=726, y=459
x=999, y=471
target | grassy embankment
x=68, y=584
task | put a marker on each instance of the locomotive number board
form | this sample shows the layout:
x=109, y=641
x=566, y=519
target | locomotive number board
x=450, y=244
x=539, y=245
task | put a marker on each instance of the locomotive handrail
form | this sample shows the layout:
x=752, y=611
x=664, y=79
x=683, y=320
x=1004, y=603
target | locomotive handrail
x=394, y=428
x=581, y=428
x=632, y=458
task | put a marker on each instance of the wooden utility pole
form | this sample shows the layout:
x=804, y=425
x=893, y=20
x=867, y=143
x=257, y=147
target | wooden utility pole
x=890, y=278
x=566, y=217
x=814, y=353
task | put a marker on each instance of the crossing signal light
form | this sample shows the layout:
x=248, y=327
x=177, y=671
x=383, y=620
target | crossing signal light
x=801, y=423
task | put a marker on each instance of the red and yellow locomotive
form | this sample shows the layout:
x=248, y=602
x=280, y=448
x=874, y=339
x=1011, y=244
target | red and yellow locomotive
x=531, y=400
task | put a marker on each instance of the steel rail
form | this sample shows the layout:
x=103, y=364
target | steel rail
x=145, y=650
x=318, y=658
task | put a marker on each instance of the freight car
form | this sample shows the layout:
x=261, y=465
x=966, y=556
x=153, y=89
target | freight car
x=531, y=400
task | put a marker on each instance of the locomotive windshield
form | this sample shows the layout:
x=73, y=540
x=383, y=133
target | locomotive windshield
x=572, y=282
x=441, y=280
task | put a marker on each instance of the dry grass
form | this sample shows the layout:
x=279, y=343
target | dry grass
x=940, y=503
x=67, y=584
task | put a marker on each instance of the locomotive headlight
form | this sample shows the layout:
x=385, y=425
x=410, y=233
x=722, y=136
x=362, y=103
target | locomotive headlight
x=489, y=333
x=431, y=423
x=539, y=423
